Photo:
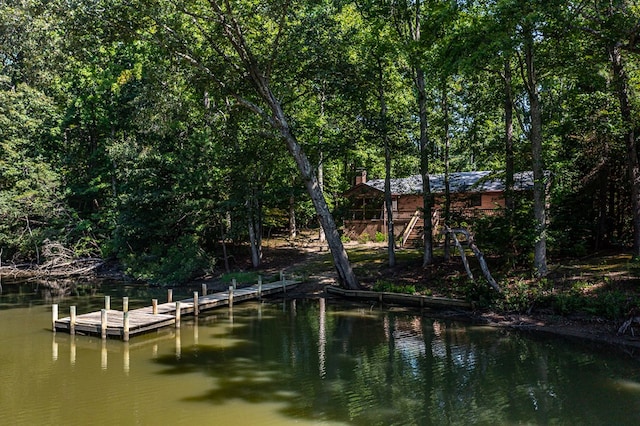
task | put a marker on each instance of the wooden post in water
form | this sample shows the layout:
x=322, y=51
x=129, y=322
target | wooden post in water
x=107, y=303
x=72, y=320
x=125, y=304
x=195, y=303
x=231, y=296
x=170, y=295
x=178, y=314
x=125, y=326
x=154, y=306
x=204, y=289
x=103, y=323
x=54, y=316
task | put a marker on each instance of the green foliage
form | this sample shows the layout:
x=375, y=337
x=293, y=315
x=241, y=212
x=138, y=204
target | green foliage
x=391, y=287
x=380, y=237
x=364, y=238
x=508, y=234
x=169, y=264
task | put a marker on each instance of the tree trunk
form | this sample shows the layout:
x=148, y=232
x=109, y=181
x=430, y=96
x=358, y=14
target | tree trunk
x=508, y=139
x=254, y=241
x=447, y=186
x=391, y=243
x=427, y=203
x=621, y=81
x=321, y=236
x=293, y=231
x=539, y=186
x=278, y=120
x=346, y=277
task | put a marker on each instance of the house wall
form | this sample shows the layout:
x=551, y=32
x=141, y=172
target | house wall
x=407, y=205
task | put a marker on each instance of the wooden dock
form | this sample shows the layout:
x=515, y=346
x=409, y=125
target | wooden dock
x=127, y=323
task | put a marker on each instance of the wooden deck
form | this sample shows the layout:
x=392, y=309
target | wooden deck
x=123, y=325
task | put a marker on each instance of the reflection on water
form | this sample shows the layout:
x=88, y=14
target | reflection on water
x=308, y=362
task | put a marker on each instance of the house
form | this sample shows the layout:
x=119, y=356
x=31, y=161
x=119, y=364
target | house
x=472, y=194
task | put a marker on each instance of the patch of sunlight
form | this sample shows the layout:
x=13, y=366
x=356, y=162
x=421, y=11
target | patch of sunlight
x=286, y=394
x=627, y=385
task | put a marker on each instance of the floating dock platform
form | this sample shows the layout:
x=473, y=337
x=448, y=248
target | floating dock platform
x=127, y=323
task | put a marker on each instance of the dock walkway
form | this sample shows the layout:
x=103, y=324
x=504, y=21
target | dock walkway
x=126, y=323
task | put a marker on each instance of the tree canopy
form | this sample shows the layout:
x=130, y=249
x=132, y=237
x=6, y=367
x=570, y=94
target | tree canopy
x=156, y=132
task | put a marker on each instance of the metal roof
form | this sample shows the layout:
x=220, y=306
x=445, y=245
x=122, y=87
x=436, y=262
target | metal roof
x=482, y=181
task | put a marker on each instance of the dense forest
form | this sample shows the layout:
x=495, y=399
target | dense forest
x=159, y=132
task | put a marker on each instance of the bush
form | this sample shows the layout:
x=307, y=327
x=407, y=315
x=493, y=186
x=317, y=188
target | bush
x=380, y=237
x=167, y=265
x=388, y=286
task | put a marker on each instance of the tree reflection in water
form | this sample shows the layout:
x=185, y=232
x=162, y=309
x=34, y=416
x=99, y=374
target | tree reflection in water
x=328, y=362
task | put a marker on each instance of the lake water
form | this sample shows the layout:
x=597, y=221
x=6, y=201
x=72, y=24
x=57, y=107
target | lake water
x=302, y=362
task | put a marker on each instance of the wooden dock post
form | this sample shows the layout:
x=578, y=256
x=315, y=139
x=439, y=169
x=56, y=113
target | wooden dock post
x=103, y=323
x=54, y=316
x=170, y=295
x=195, y=303
x=178, y=314
x=231, y=296
x=125, y=326
x=204, y=290
x=154, y=306
x=107, y=303
x=125, y=304
x=72, y=320
x=259, y=287
x=234, y=283
x=284, y=283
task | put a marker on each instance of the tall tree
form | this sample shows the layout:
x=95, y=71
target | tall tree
x=245, y=47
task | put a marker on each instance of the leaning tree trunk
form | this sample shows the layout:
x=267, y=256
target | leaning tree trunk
x=234, y=33
x=539, y=198
x=633, y=164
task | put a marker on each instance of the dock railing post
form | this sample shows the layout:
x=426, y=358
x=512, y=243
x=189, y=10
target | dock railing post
x=107, y=303
x=72, y=320
x=54, y=316
x=259, y=287
x=125, y=326
x=204, y=290
x=154, y=306
x=195, y=303
x=170, y=295
x=103, y=323
x=177, y=314
x=231, y=296
x=125, y=304
x=234, y=283
x=284, y=282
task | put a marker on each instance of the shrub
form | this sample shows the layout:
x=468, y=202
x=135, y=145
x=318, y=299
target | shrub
x=388, y=286
x=380, y=237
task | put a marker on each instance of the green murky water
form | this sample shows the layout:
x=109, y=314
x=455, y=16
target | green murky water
x=302, y=362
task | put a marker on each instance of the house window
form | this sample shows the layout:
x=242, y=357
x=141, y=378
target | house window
x=394, y=204
x=476, y=200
